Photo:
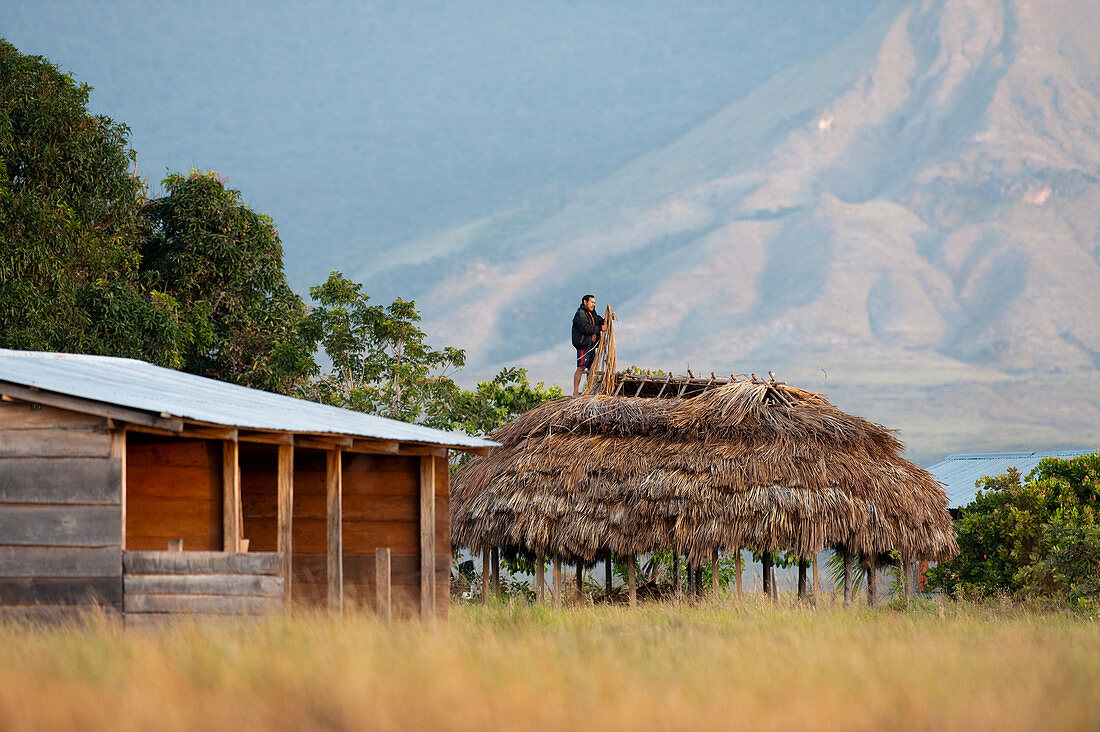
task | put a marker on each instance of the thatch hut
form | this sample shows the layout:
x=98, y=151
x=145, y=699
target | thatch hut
x=747, y=464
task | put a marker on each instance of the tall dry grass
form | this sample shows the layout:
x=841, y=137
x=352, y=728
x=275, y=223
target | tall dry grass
x=658, y=666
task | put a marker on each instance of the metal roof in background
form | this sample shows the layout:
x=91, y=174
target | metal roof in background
x=960, y=472
x=139, y=385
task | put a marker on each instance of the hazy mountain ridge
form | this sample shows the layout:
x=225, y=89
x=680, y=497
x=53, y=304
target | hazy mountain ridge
x=913, y=212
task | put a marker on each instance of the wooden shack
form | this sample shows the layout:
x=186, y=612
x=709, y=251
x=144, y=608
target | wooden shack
x=148, y=492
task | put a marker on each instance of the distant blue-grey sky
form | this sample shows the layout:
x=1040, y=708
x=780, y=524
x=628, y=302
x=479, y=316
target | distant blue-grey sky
x=360, y=126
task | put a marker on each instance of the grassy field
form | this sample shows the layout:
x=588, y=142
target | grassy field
x=659, y=666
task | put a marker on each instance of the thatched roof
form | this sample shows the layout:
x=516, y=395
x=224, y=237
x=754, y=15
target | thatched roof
x=749, y=464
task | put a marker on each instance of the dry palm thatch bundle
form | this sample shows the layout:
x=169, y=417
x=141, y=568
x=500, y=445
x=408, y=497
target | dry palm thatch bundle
x=749, y=464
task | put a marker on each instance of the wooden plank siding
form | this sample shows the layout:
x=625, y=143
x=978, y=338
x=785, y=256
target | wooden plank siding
x=173, y=491
x=159, y=584
x=66, y=519
x=60, y=513
x=381, y=510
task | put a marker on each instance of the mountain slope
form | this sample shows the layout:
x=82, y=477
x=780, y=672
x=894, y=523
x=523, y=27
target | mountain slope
x=913, y=214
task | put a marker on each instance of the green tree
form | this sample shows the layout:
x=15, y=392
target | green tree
x=69, y=225
x=380, y=360
x=1034, y=537
x=223, y=264
x=496, y=402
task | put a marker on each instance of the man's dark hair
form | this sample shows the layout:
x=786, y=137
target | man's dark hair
x=586, y=298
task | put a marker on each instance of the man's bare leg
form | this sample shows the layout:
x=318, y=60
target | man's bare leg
x=577, y=381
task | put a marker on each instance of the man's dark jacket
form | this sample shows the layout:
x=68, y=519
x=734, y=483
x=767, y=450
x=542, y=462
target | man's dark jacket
x=585, y=325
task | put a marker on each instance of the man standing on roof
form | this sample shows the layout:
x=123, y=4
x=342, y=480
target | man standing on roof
x=587, y=327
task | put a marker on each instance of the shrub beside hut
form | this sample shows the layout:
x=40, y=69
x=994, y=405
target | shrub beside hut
x=722, y=465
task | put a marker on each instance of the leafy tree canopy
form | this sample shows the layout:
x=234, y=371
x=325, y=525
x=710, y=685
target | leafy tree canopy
x=194, y=279
x=1039, y=536
x=381, y=362
x=69, y=227
x=223, y=264
x=497, y=402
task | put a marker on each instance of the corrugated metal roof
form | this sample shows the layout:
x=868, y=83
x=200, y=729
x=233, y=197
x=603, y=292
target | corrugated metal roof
x=139, y=385
x=960, y=472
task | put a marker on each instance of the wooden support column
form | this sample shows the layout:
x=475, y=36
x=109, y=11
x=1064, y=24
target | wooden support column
x=580, y=582
x=540, y=578
x=737, y=568
x=872, y=580
x=427, y=537
x=231, y=497
x=334, y=490
x=495, y=560
x=608, y=575
x=846, y=558
x=715, y=578
x=632, y=580
x=815, y=579
x=285, y=545
x=775, y=586
x=557, y=581
x=766, y=565
x=676, y=584
x=485, y=576
x=803, y=565
x=382, y=602
x=118, y=452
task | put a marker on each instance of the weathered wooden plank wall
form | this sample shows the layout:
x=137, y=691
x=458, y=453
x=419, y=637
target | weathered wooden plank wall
x=381, y=509
x=60, y=512
x=159, y=584
x=173, y=491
